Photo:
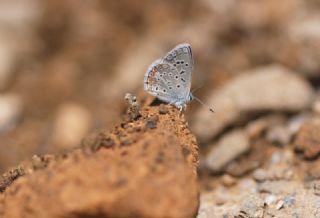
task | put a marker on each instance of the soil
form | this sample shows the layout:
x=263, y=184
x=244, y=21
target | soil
x=142, y=168
x=75, y=143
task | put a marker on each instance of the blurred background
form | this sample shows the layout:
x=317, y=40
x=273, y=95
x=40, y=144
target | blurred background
x=66, y=65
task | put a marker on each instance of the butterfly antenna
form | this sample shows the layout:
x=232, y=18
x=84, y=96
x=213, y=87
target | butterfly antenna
x=196, y=89
x=201, y=102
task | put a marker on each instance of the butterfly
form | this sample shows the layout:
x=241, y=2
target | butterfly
x=169, y=78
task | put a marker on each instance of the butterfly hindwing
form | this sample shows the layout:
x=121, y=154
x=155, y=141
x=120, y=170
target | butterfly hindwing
x=158, y=81
x=169, y=78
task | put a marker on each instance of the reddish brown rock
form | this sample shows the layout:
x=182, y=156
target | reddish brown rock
x=308, y=139
x=152, y=175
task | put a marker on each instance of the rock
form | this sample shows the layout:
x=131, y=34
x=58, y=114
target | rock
x=10, y=110
x=228, y=180
x=278, y=187
x=279, y=134
x=250, y=161
x=231, y=146
x=307, y=139
x=296, y=122
x=257, y=127
x=17, y=20
x=289, y=200
x=72, y=123
x=279, y=204
x=6, y=63
x=260, y=175
x=260, y=89
x=312, y=172
x=304, y=36
x=279, y=167
x=270, y=199
x=252, y=207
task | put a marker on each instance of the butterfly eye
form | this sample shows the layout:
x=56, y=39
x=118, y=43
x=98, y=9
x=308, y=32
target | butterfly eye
x=176, y=77
x=178, y=86
x=187, y=64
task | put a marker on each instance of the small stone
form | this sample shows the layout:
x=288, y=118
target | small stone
x=251, y=206
x=71, y=124
x=260, y=175
x=257, y=127
x=10, y=110
x=231, y=146
x=107, y=142
x=261, y=89
x=289, y=200
x=276, y=187
x=316, y=106
x=151, y=122
x=163, y=109
x=270, y=199
x=280, y=204
x=228, y=180
x=124, y=140
x=316, y=188
x=279, y=134
x=37, y=163
x=308, y=139
x=7, y=61
x=304, y=35
x=133, y=111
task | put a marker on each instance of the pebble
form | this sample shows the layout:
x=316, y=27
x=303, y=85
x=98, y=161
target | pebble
x=151, y=122
x=279, y=134
x=308, y=138
x=231, y=146
x=163, y=109
x=10, y=111
x=260, y=89
x=289, y=200
x=257, y=127
x=280, y=204
x=228, y=180
x=260, y=175
x=304, y=36
x=71, y=124
x=133, y=111
x=270, y=199
x=7, y=60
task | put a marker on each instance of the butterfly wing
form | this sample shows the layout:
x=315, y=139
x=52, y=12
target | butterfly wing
x=169, y=78
x=180, y=57
x=159, y=82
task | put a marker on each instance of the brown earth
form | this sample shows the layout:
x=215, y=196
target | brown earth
x=65, y=67
x=142, y=168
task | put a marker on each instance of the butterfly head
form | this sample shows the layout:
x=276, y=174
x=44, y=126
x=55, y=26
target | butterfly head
x=190, y=97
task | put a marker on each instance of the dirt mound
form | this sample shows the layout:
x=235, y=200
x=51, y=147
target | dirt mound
x=142, y=168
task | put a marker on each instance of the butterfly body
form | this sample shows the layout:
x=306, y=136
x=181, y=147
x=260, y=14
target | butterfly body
x=169, y=78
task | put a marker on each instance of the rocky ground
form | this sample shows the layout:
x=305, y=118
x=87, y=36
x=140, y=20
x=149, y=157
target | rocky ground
x=71, y=146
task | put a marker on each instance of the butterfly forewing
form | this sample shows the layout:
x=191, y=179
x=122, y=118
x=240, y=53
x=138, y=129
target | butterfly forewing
x=181, y=58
